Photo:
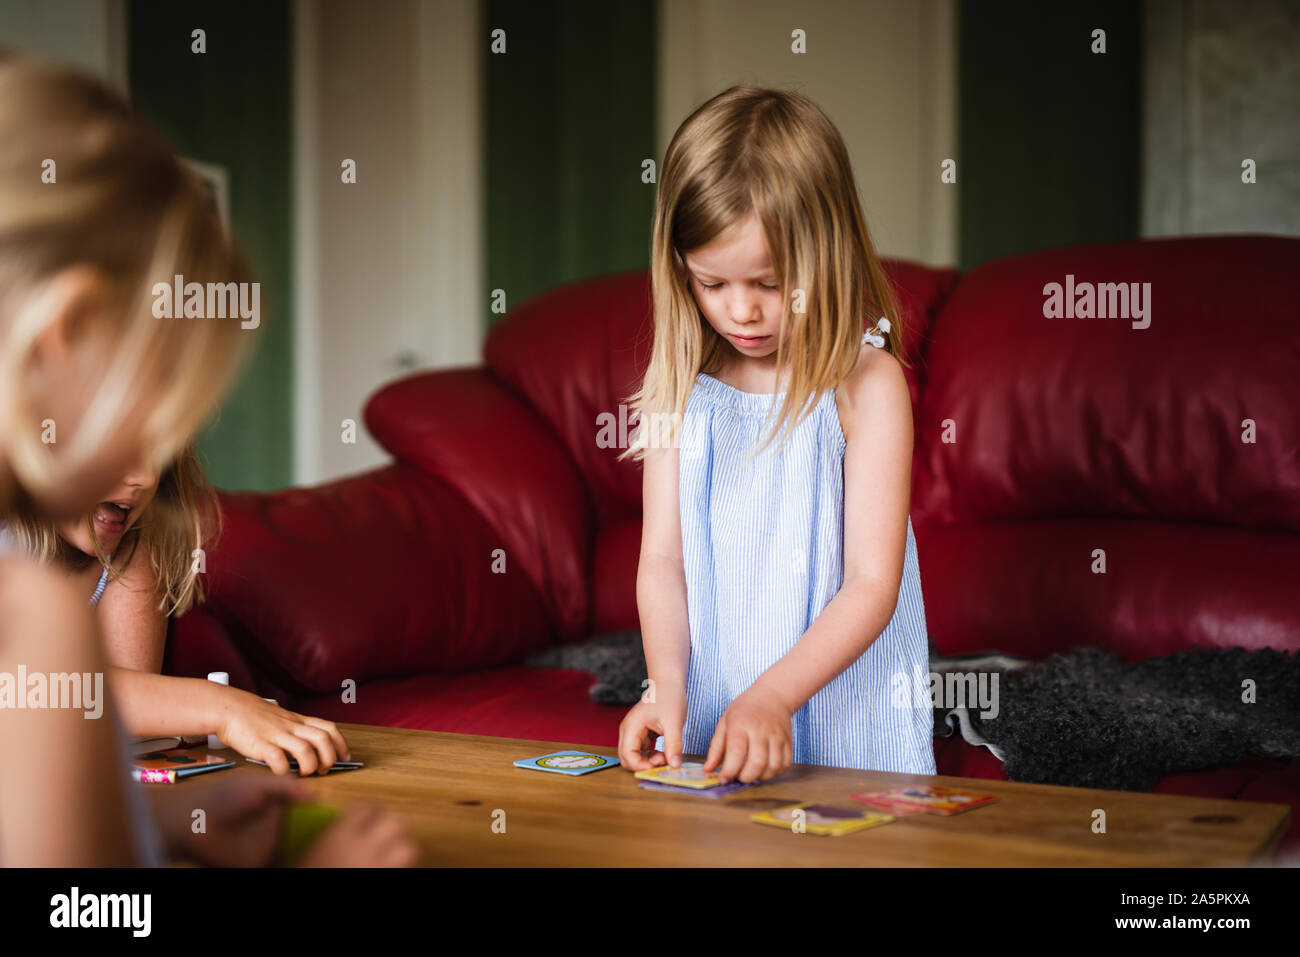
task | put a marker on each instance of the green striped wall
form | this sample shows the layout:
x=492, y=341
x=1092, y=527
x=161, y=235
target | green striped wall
x=232, y=107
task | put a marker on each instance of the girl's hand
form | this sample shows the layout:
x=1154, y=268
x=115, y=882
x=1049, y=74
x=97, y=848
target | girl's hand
x=646, y=721
x=243, y=819
x=752, y=740
x=365, y=835
x=264, y=731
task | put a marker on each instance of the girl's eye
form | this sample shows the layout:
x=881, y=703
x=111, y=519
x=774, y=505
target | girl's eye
x=718, y=285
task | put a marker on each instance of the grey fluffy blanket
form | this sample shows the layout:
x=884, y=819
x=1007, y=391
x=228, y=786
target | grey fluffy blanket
x=1087, y=719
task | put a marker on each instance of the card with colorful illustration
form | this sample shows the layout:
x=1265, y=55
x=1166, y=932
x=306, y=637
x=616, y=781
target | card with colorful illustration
x=334, y=768
x=690, y=775
x=717, y=791
x=822, y=819
x=569, y=762
x=168, y=767
x=923, y=798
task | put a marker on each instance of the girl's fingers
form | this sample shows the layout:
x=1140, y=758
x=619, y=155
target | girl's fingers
x=717, y=745
x=756, y=765
x=673, y=745
x=336, y=736
x=272, y=756
x=323, y=743
x=737, y=748
x=775, y=754
x=303, y=752
x=631, y=742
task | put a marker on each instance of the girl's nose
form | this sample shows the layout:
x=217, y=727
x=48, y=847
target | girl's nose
x=743, y=306
x=143, y=475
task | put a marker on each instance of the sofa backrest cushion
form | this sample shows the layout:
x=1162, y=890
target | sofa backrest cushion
x=386, y=573
x=575, y=353
x=1191, y=413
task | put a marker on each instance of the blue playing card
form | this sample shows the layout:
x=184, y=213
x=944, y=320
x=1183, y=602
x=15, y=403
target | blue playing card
x=569, y=762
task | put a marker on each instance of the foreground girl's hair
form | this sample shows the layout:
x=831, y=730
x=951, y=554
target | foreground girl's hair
x=86, y=182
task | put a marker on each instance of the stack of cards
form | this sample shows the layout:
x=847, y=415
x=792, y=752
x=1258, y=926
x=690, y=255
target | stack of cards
x=569, y=762
x=334, y=768
x=168, y=767
x=822, y=819
x=923, y=798
x=690, y=778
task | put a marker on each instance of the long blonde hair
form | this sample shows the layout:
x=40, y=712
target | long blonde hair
x=183, y=516
x=119, y=202
x=775, y=154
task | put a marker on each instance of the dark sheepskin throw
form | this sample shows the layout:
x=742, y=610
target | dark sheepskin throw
x=1086, y=719
x=617, y=660
x=1080, y=719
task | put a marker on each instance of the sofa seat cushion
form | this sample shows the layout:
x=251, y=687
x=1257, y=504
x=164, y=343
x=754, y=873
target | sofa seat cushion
x=537, y=703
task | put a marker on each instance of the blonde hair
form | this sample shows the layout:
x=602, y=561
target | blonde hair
x=775, y=154
x=122, y=204
x=184, y=515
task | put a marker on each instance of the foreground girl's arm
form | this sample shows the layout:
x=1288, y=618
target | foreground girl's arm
x=665, y=628
x=63, y=791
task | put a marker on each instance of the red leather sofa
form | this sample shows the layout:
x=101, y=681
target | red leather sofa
x=505, y=524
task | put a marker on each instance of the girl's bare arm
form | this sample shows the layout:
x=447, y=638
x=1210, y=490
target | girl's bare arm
x=63, y=789
x=155, y=705
x=661, y=575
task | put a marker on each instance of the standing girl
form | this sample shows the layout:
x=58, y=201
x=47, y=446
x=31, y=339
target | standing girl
x=778, y=587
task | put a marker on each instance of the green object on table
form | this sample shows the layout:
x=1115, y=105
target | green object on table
x=303, y=823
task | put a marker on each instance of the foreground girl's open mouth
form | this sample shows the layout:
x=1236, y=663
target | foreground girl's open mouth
x=112, y=516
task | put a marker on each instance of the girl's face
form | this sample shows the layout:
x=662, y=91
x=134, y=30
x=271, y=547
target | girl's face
x=117, y=513
x=734, y=285
x=64, y=359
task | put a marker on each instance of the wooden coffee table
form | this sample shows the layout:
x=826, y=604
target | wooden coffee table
x=449, y=786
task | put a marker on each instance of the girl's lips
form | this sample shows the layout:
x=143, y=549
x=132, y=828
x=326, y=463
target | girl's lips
x=749, y=340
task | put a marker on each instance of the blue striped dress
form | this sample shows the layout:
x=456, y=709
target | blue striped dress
x=763, y=548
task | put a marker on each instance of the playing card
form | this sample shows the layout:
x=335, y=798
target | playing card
x=924, y=798
x=336, y=766
x=690, y=775
x=568, y=762
x=822, y=819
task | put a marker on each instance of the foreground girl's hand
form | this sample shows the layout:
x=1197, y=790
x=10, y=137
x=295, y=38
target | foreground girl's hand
x=752, y=740
x=365, y=835
x=644, y=723
x=243, y=818
x=264, y=731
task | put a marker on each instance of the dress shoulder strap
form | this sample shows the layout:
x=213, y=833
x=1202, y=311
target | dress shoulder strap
x=99, y=589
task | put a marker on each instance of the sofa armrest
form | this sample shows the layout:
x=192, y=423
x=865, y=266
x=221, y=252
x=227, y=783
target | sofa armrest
x=464, y=428
x=382, y=574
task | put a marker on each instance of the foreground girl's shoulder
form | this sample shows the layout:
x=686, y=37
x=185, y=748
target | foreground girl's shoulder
x=874, y=395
